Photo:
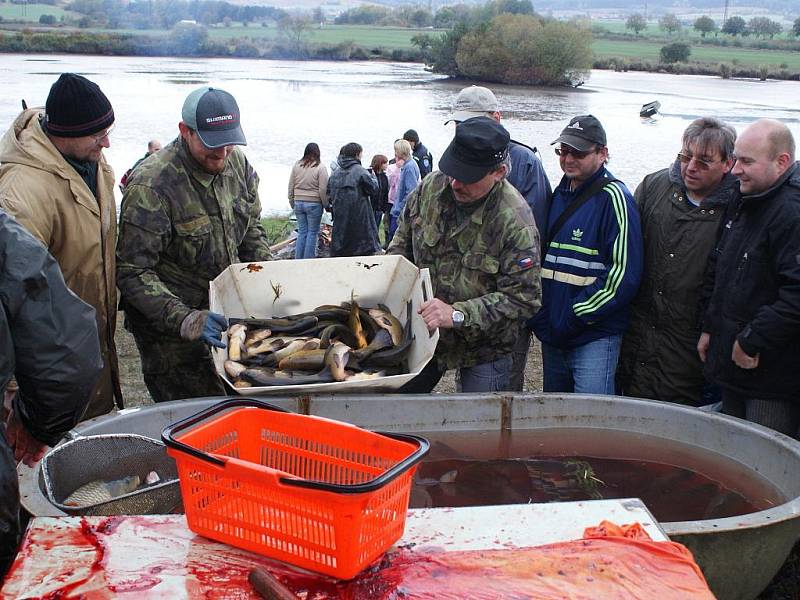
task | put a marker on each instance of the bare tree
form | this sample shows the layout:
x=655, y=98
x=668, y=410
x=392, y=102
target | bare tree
x=637, y=22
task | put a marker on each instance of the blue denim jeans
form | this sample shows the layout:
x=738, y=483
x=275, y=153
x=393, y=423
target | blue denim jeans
x=587, y=369
x=393, y=223
x=309, y=214
x=493, y=376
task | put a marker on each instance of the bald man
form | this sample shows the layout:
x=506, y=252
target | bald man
x=751, y=331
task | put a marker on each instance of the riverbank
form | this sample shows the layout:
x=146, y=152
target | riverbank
x=725, y=58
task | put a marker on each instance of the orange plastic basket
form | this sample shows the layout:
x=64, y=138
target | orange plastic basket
x=319, y=494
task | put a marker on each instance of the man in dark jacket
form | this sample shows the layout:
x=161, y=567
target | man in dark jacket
x=349, y=190
x=680, y=208
x=422, y=157
x=591, y=266
x=751, y=332
x=49, y=341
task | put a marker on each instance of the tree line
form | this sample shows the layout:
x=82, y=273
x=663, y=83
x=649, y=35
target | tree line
x=736, y=26
x=160, y=14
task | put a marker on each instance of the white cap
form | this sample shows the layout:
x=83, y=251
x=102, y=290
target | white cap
x=474, y=101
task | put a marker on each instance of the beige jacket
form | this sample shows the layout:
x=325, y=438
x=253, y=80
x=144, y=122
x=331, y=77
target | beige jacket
x=48, y=197
x=309, y=184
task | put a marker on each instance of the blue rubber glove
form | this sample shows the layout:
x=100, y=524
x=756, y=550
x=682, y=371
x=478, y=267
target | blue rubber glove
x=205, y=326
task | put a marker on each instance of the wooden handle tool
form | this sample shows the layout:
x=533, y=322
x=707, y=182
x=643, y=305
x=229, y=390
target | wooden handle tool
x=268, y=586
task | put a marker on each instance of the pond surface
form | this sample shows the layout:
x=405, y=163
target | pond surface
x=286, y=104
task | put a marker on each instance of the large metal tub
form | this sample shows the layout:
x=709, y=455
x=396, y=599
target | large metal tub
x=738, y=555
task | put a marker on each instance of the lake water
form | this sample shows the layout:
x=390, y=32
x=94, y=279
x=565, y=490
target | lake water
x=286, y=104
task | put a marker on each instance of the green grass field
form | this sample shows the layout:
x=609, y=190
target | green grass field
x=368, y=37
x=29, y=12
x=645, y=50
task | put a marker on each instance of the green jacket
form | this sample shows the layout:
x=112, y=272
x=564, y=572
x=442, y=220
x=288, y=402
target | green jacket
x=659, y=351
x=180, y=227
x=484, y=262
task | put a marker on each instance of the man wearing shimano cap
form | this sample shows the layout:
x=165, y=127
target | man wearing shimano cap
x=187, y=214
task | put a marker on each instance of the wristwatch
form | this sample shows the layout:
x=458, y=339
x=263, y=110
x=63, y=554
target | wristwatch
x=458, y=319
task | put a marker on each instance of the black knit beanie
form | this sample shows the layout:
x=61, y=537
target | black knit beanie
x=76, y=107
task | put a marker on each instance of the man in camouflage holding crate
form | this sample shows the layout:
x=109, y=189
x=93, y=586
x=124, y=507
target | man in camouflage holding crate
x=477, y=236
x=187, y=214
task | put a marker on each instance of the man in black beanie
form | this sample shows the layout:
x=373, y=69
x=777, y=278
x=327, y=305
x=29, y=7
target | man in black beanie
x=56, y=182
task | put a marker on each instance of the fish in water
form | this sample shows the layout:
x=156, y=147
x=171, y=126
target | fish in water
x=98, y=491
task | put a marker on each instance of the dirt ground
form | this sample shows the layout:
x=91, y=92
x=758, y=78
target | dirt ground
x=785, y=586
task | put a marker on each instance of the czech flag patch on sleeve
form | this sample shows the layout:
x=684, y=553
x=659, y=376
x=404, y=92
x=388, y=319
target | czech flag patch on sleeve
x=525, y=263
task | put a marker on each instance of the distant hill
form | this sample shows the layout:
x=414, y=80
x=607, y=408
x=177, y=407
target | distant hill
x=782, y=7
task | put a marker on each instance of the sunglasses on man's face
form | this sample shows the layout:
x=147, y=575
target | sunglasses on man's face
x=567, y=150
x=704, y=165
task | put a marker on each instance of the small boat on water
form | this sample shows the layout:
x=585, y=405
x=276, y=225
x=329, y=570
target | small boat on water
x=649, y=109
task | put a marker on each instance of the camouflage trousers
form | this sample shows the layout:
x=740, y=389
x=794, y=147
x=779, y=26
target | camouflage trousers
x=173, y=368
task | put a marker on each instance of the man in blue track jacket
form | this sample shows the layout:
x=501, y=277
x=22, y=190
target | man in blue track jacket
x=591, y=266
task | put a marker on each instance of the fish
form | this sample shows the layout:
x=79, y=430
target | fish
x=233, y=368
x=98, y=491
x=389, y=322
x=236, y=336
x=336, y=357
x=152, y=478
x=334, y=332
x=270, y=377
x=354, y=322
x=365, y=375
x=290, y=326
x=304, y=360
x=382, y=339
x=254, y=337
x=242, y=384
x=264, y=346
x=296, y=346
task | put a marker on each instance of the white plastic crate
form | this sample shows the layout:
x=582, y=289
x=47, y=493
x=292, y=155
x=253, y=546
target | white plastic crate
x=285, y=287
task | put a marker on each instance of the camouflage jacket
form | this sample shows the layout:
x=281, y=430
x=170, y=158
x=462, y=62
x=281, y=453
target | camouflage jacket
x=486, y=264
x=179, y=228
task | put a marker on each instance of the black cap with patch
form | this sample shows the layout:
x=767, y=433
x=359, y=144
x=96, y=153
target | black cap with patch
x=480, y=146
x=583, y=133
x=214, y=115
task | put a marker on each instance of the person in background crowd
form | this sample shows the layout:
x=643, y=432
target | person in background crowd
x=393, y=175
x=751, y=330
x=475, y=233
x=153, y=146
x=188, y=213
x=407, y=182
x=680, y=208
x=54, y=179
x=308, y=184
x=422, y=157
x=527, y=176
x=380, y=202
x=49, y=342
x=349, y=190
x=592, y=265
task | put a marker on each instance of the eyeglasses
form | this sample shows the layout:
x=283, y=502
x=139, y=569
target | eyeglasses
x=577, y=154
x=705, y=165
x=99, y=138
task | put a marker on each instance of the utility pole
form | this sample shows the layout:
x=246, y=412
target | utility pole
x=645, y=10
x=725, y=14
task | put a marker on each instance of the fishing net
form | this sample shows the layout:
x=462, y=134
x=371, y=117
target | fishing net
x=106, y=458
